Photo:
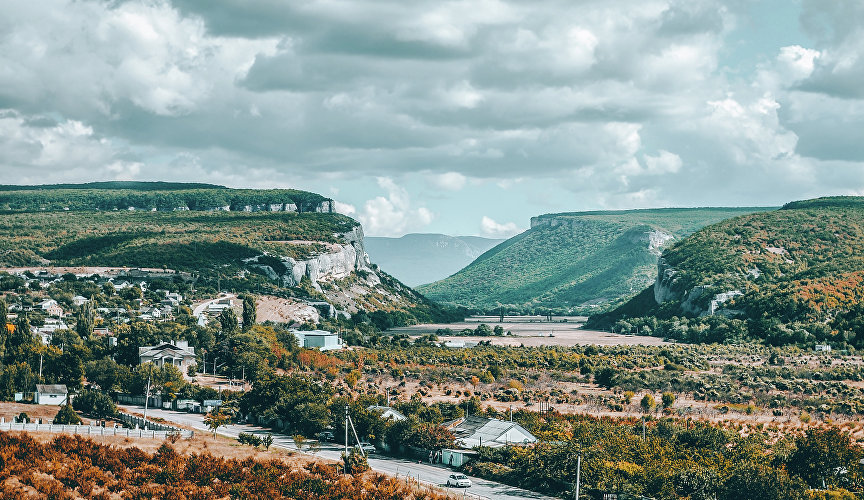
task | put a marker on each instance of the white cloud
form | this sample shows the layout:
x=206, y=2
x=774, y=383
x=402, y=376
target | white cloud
x=449, y=181
x=664, y=163
x=492, y=229
x=344, y=208
x=394, y=214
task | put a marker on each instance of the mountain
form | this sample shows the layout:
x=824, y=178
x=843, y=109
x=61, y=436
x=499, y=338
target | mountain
x=795, y=274
x=279, y=242
x=572, y=261
x=423, y=258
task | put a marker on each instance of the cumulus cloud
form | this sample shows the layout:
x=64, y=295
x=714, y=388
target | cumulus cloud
x=492, y=229
x=393, y=214
x=619, y=103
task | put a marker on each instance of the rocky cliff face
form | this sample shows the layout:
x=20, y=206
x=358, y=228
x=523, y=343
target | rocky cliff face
x=666, y=289
x=345, y=258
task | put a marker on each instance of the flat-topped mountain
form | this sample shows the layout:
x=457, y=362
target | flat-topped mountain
x=581, y=260
x=158, y=197
x=283, y=242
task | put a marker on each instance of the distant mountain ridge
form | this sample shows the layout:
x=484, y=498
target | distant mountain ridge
x=575, y=260
x=416, y=259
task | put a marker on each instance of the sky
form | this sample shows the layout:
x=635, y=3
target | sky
x=456, y=117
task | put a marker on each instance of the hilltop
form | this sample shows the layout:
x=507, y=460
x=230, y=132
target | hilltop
x=158, y=197
x=790, y=275
x=226, y=238
x=572, y=261
x=423, y=258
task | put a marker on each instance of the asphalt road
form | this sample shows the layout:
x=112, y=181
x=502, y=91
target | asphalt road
x=426, y=473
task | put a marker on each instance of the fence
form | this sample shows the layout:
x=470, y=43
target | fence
x=149, y=425
x=93, y=430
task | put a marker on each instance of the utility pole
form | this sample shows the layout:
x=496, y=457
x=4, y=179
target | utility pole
x=147, y=397
x=40, y=368
x=578, y=472
x=643, y=428
x=346, y=437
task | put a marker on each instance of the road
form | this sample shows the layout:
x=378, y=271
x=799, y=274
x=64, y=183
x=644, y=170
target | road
x=426, y=473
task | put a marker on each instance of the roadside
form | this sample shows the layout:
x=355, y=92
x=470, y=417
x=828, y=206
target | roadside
x=400, y=468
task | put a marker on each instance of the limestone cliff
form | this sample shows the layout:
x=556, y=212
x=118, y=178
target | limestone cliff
x=342, y=259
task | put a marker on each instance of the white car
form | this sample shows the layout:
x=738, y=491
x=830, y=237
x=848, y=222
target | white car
x=367, y=447
x=459, y=481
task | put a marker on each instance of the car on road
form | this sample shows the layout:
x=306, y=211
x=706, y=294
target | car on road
x=325, y=436
x=367, y=447
x=459, y=481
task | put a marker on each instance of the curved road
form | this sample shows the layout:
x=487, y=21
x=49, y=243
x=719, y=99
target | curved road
x=431, y=474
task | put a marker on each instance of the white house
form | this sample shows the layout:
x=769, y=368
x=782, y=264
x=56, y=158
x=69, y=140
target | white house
x=78, y=300
x=46, y=331
x=318, y=339
x=51, y=308
x=176, y=353
x=387, y=413
x=480, y=431
x=56, y=394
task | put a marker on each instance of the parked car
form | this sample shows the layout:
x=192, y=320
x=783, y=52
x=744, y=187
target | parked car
x=459, y=481
x=367, y=447
x=325, y=436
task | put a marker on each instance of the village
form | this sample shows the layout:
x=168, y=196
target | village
x=99, y=309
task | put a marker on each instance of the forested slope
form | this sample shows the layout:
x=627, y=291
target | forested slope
x=575, y=259
x=789, y=275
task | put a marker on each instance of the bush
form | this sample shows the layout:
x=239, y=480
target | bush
x=67, y=416
x=250, y=439
x=94, y=403
x=355, y=463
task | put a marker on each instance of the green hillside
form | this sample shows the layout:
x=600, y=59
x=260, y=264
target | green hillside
x=574, y=260
x=90, y=225
x=790, y=275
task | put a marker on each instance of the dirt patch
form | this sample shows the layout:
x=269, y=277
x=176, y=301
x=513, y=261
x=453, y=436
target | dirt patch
x=279, y=310
x=532, y=334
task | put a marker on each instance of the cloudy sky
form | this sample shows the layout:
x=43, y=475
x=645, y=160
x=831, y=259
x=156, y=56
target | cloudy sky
x=460, y=117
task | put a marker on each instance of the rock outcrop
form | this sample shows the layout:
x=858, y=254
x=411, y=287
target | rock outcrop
x=347, y=257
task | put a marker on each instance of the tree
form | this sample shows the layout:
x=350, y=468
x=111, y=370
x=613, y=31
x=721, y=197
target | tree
x=647, y=403
x=228, y=321
x=107, y=374
x=67, y=416
x=249, y=312
x=668, y=399
x=267, y=441
x=4, y=330
x=821, y=454
x=216, y=419
x=299, y=441
x=84, y=320
x=94, y=403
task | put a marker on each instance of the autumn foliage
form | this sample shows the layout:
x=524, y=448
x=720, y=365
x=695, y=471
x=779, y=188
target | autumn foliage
x=74, y=467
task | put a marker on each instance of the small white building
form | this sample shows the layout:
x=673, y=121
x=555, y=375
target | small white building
x=481, y=431
x=175, y=353
x=55, y=394
x=46, y=331
x=387, y=413
x=79, y=300
x=823, y=348
x=318, y=339
x=51, y=308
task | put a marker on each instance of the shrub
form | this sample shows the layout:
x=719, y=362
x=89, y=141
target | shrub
x=95, y=403
x=250, y=439
x=67, y=416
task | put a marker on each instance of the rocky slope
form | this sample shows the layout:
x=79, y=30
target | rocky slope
x=416, y=259
x=315, y=256
x=797, y=269
x=574, y=261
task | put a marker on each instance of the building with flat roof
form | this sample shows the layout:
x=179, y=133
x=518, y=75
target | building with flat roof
x=318, y=339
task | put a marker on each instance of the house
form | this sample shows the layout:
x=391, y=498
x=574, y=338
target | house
x=823, y=348
x=78, y=300
x=387, y=413
x=318, y=339
x=217, y=306
x=55, y=394
x=46, y=331
x=481, y=431
x=176, y=353
x=51, y=308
